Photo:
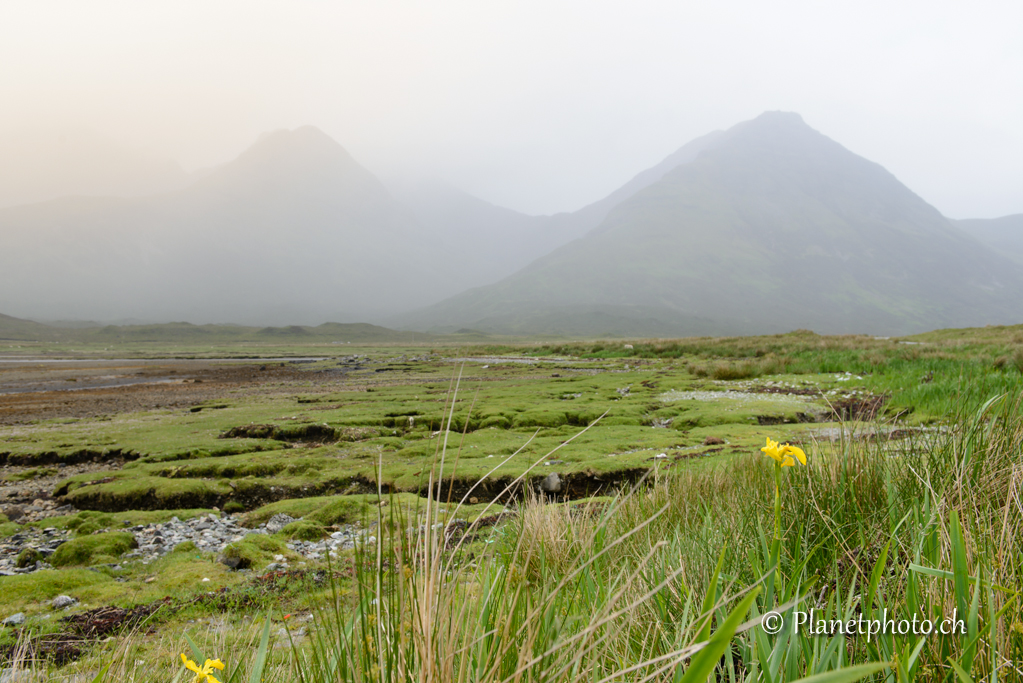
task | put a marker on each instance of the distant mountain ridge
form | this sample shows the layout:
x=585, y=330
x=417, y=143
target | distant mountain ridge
x=1004, y=235
x=16, y=329
x=771, y=227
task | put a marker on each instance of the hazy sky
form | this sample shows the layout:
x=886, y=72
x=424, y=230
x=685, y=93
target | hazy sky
x=539, y=106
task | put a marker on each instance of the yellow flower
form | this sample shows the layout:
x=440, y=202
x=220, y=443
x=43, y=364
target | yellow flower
x=205, y=674
x=796, y=451
x=782, y=453
x=773, y=451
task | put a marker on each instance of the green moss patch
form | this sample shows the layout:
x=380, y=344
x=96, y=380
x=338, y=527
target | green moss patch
x=95, y=549
x=255, y=551
x=304, y=530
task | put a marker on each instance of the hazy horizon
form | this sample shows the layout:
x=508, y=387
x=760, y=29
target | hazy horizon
x=532, y=107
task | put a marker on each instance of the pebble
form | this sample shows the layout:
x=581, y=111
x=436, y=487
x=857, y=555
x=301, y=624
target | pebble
x=212, y=534
x=209, y=533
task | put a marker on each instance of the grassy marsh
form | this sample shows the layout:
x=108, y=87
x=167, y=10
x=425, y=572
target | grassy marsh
x=687, y=415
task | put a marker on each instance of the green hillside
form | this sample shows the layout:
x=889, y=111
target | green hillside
x=773, y=227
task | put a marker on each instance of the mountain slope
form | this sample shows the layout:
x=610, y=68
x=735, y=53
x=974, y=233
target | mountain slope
x=772, y=227
x=1004, y=235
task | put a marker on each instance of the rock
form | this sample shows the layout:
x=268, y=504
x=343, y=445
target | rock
x=275, y=567
x=17, y=676
x=62, y=602
x=623, y=391
x=278, y=522
x=15, y=619
x=551, y=483
x=14, y=512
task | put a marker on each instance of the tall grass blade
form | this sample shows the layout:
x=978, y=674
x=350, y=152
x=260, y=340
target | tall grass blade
x=256, y=676
x=704, y=662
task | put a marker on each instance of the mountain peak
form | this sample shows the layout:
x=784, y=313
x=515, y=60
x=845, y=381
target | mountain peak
x=779, y=117
x=305, y=160
x=773, y=126
x=303, y=145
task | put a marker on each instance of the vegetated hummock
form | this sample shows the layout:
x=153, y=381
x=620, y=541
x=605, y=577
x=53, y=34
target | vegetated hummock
x=506, y=465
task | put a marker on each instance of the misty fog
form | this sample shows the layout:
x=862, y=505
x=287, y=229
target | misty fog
x=467, y=165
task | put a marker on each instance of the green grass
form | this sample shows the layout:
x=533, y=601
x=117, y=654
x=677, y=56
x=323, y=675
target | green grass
x=527, y=581
x=115, y=520
x=30, y=473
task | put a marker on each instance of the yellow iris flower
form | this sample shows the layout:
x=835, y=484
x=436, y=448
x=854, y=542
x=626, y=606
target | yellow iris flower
x=783, y=453
x=205, y=674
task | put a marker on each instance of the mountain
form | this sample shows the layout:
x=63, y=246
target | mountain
x=292, y=231
x=40, y=165
x=1004, y=235
x=770, y=227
